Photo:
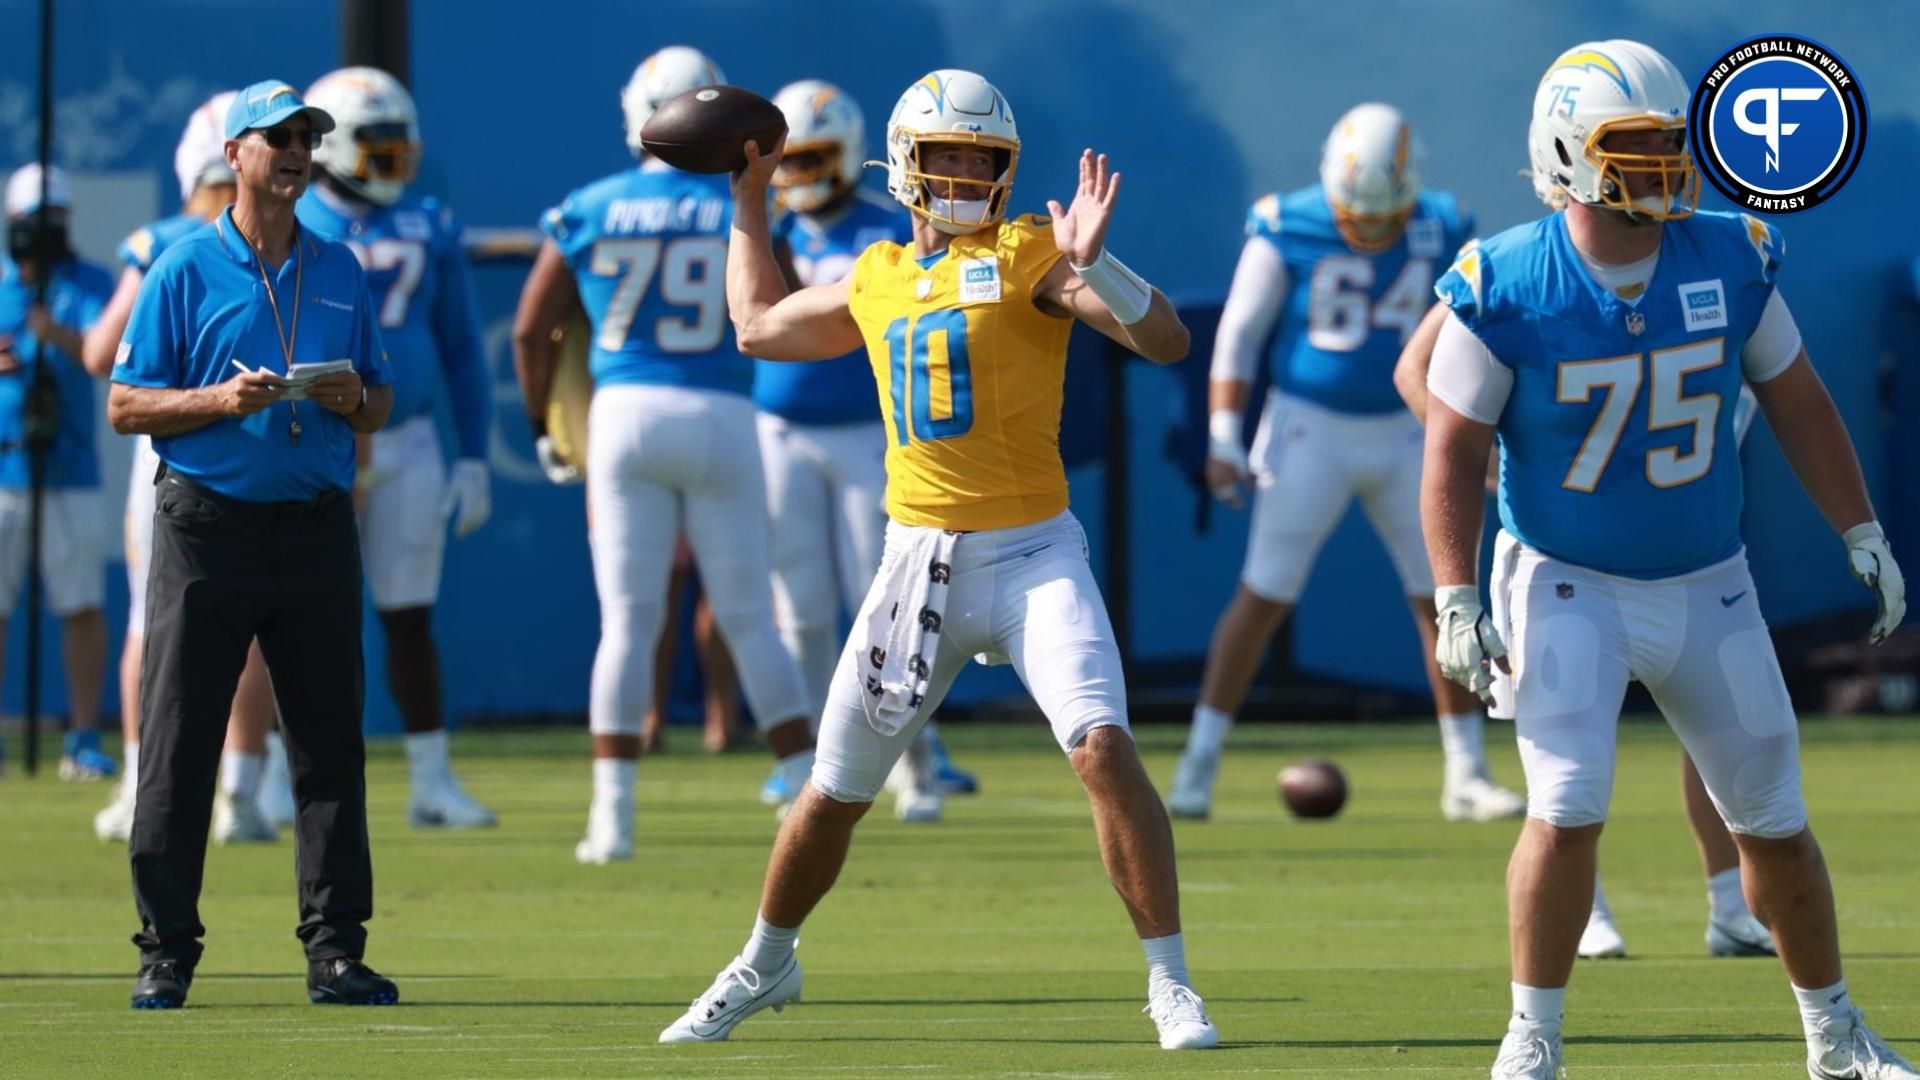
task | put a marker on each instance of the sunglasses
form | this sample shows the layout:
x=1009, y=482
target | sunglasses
x=282, y=137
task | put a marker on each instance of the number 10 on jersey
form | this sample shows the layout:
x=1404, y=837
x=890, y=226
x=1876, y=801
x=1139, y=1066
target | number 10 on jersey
x=938, y=396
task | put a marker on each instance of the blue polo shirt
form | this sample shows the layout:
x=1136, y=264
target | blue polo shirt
x=76, y=293
x=202, y=306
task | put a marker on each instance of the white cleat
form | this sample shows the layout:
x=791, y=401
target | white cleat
x=238, y=820
x=114, y=823
x=275, y=798
x=1855, y=1053
x=609, y=835
x=1740, y=936
x=736, y=994
x=444, y=803
x=1478, y=799
x=1528, y=1054
x=920, y=807
x=1182, y=1019
x=1601, y=939
x=1192, y=794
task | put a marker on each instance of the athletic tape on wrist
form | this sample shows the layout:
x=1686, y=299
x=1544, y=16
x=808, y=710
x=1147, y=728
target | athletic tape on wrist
x=1125, y=293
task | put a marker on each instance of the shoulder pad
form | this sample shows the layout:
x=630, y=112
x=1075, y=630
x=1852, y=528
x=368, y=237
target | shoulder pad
x=1263, y=219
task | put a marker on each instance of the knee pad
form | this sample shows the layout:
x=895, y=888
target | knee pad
x=1562, y=791
x=1766, y=800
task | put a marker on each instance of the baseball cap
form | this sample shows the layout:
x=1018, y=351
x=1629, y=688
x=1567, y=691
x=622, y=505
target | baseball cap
x=23, y=190
x=265, y=104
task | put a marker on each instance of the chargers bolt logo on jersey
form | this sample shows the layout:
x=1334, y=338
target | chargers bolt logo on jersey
x=1778, y=124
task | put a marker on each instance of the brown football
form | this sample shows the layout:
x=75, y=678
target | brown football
x=703, y=129
x=1313, y=788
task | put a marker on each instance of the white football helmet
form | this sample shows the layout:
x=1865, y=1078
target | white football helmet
x=949, y=106
x=666, y=74
x=1605, y=86
x=1370, y=170
x=374, y=147
x=201, y=157
x=821, y=119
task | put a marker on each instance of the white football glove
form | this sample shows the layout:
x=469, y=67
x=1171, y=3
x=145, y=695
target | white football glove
x=469, y=500
x=556, y=467
x=1872, y=564
x=1467, y=641
x=1224, y=447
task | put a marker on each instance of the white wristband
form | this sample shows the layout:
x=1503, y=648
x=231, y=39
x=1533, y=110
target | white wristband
x=1866, y=530
x=1456, y=596
x=1223, y=427
x=1124, y=292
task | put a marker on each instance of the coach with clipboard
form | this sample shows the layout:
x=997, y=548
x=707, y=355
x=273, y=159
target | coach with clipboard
x=254, y=536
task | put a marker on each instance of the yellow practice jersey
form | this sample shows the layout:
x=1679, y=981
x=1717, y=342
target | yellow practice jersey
x=970, y=374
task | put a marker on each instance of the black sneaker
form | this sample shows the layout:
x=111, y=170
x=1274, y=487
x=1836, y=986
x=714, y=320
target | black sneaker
x=341, y=981
x=162, y=985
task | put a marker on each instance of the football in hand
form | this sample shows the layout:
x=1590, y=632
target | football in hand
x=1313, y=788
x=704, y=129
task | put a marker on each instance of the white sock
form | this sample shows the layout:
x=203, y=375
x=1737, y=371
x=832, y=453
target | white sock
x=795, y=768
x=613, y=781
x=1724, y=898
x=1166, y=962
x=427, y=756
x=1463, y=738
x=1209, y=733
x=1600, y=907
x=240, y=773
x=1829, y=1009
x=770, y=947
x=130, y=765
x=1539, y=1007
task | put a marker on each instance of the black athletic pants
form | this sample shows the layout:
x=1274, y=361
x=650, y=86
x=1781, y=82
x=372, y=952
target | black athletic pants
x=224, y=571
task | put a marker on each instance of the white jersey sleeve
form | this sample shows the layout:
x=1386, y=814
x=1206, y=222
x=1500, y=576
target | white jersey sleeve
x=1253, y=306
x=1466, y=375
x=1775, y=342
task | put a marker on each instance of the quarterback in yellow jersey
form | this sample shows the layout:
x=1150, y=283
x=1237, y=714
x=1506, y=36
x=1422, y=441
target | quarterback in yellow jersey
x=967, y=335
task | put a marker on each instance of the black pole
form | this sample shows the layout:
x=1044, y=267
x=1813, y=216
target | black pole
x=374, y=33
x=41, y=417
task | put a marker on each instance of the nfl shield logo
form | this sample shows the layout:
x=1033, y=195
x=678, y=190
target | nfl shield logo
x=1636, y=323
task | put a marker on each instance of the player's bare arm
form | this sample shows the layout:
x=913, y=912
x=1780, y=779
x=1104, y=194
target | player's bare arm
x=1080, y=231
x=1410, y=372
x=103, y=337
x=769, y=321
x=549, y=294
x=1452, y=501
x=1816, y=443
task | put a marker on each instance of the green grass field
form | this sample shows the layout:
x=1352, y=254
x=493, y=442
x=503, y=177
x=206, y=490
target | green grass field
x=988, y=945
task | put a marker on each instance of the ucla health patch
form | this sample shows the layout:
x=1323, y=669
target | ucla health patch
x=1705, y=305
x=1778, y=124
x=979, y=280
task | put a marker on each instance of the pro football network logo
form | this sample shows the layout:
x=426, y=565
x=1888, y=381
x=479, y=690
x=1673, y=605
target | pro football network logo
x=1778, y=124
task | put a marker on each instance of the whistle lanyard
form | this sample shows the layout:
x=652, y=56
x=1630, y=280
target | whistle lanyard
x=285, y=336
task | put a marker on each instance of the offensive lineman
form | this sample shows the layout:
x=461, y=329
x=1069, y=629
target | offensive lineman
x=1349, y=263
x=671, y=439
x=1614, y=417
